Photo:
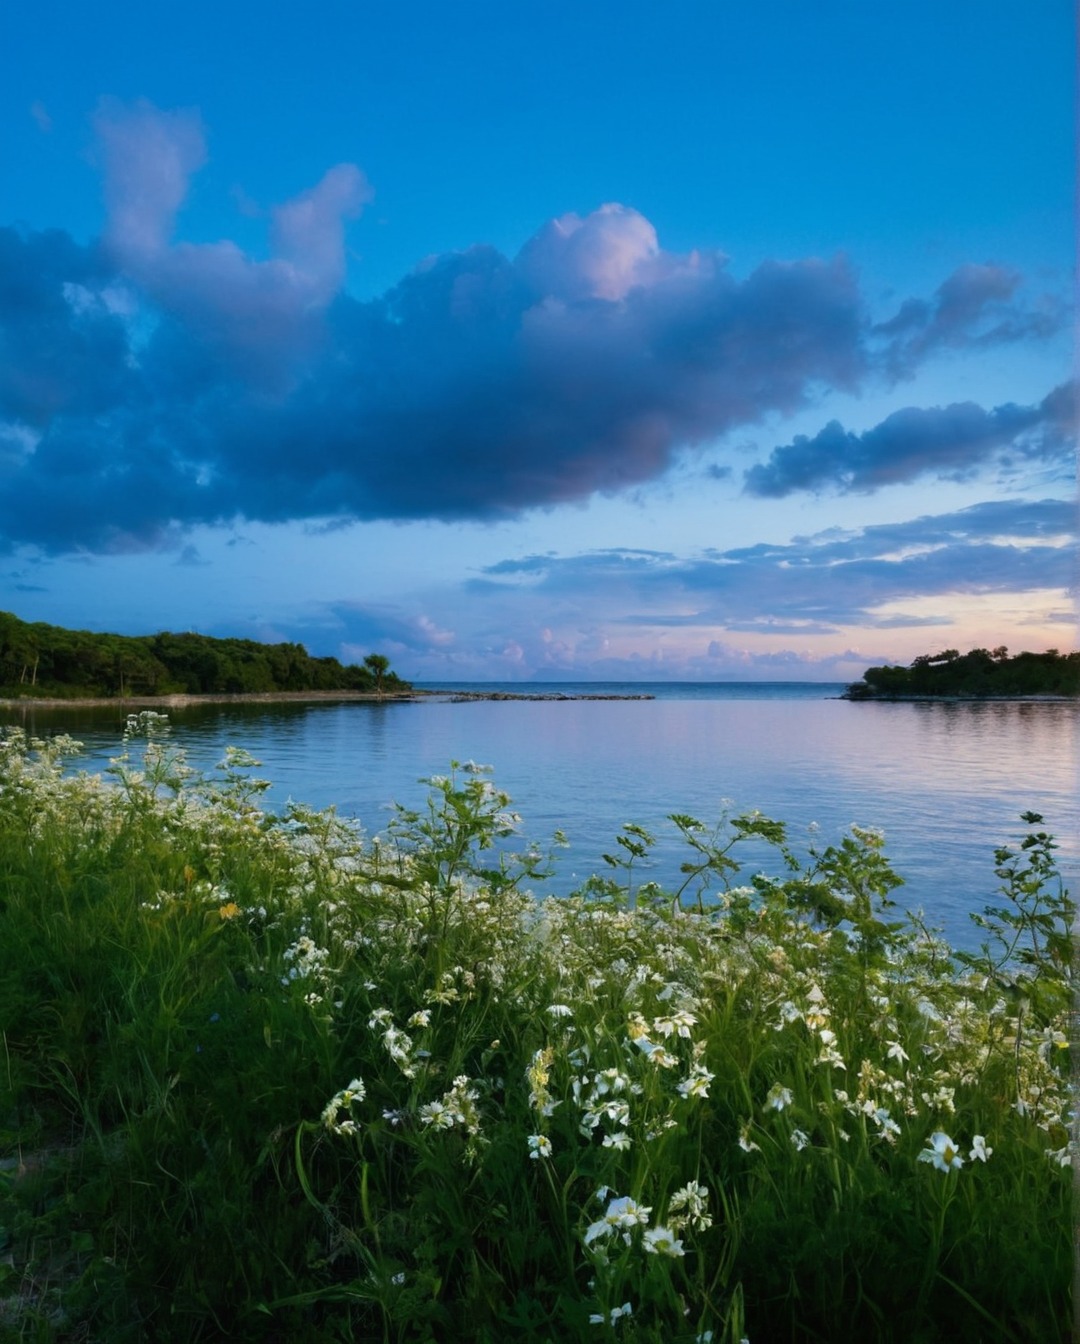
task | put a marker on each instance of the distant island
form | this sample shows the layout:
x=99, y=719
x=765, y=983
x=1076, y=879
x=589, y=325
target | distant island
x=981, y=674
x=39, y=661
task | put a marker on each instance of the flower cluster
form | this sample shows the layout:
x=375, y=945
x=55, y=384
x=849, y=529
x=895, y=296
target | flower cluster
x=337, y=1115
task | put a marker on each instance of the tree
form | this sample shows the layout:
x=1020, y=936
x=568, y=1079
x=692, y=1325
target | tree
x=378, y=665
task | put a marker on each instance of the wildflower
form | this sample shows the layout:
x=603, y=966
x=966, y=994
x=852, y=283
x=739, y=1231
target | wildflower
x=778, y=1097
x=799, y=1139
x=745, y=1142
x=654, y=1053
x=829, y=1053
x=229, y=910
x=662, y=1241
x=337, y=1114
x=539, y=1146
x=422, y=1018
x=609, y=1080
x=942, y=1100
x=620, y=1140
x=622, y=1213
x=697, y=1084
x=560, y=1010
x=598, y=1318
x=942, y=1152
x=688, y=1207
x=538, y=1075
x=461, y=1102
x=979, y=1151
x=436, y=1115
x=677, y=1023
x=896, y=1051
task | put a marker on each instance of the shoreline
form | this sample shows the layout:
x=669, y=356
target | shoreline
x=960, y=699
x=185, y=700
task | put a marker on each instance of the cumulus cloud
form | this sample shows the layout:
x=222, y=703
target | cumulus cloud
x=149, y=384
x=942, y=441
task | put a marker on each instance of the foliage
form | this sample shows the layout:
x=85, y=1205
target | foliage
x=265, y=1079
x=40, y=659
x=978, y=674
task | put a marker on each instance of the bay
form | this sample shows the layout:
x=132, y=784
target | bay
x=946, y=782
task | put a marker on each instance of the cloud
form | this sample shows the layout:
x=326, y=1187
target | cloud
x=944, y=441
x=148, y=157
x=359, y=627
x=973, y=308
x=149, y=384
x=217, y=308
x=815, y=584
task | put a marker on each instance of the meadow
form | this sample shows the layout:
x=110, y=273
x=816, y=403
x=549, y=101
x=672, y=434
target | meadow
x=264, y=1078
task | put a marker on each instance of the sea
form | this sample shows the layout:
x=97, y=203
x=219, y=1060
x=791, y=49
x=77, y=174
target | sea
x=945, y=782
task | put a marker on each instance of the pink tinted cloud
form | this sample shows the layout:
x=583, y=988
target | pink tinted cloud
x=602, y=256
x=308, y=231
x=148, y=156
x=260, y=317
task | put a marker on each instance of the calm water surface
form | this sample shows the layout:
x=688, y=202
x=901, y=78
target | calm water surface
x=946, y=782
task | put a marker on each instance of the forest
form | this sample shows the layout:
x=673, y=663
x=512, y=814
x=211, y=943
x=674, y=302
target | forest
x=38, y=660
x=978, y=674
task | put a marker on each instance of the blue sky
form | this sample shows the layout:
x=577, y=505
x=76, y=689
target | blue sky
x=591, y=341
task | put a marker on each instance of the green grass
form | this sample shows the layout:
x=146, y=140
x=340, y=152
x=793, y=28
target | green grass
x=264, y=1079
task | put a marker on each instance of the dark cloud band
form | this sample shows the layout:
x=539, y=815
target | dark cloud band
x=947, y=441
x=147, y=385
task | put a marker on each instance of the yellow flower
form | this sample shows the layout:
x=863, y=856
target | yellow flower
x=229, y=910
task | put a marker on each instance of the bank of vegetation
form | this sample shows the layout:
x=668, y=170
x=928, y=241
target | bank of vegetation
x=976, y=675
x=39, y=660
x=264, y=1079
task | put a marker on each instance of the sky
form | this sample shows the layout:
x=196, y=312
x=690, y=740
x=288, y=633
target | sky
x=699, y=341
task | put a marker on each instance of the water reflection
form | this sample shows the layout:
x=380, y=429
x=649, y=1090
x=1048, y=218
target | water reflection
x=945, y=781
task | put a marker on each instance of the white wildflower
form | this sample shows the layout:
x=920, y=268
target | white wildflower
x=622, y=1213
x=619, y=1140
x=662, y=1241
x=697, y=1084
x=979, y=1151
x=779, y=1097
x=612, y=1317
x=943, y=1153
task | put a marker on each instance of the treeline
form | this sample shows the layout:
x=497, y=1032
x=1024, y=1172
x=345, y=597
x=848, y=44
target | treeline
x=47, y=660
x=977, y=674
